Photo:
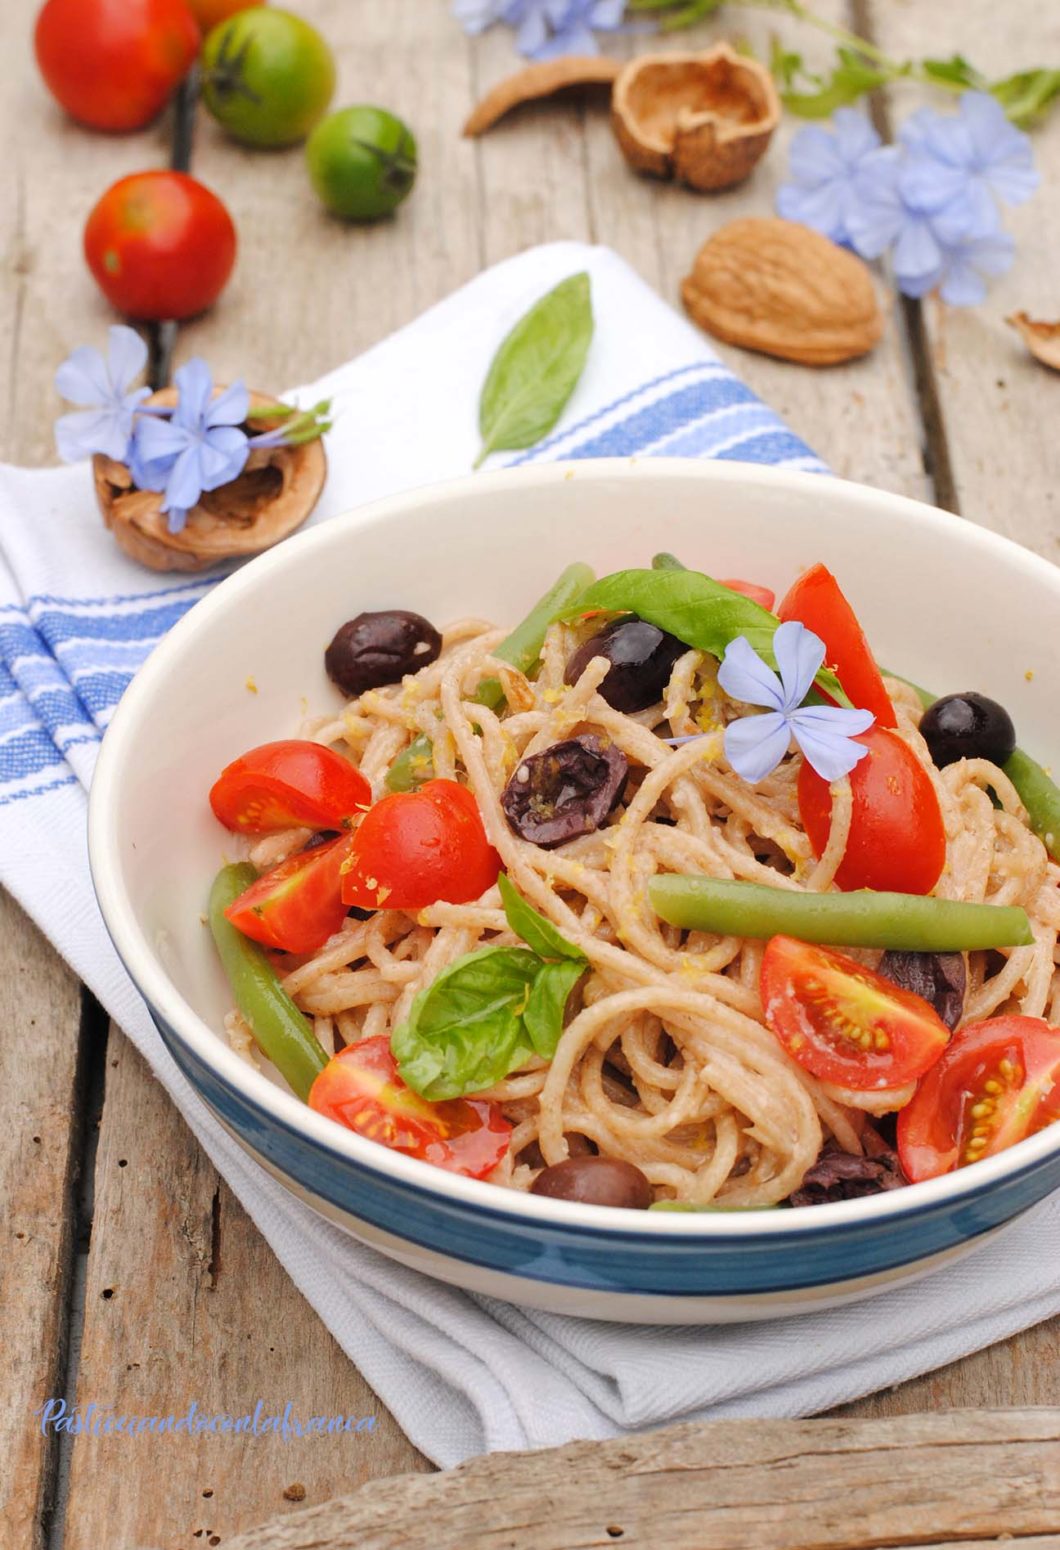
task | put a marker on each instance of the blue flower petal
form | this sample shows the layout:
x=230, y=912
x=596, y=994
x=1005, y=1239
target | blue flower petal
x=126, y=356
x=745, y=677
x=823, y=207
x=855, y=134
x=230, y=407
x=156, y=438
x=824, y=733
x=917, y=251
x=195, y=387
x=800, y=654
x=755, y=745
x=814, y=156
x=83, y=377
x=184, y=485
x=222, y=456
x=87, y=431
x=927, y=184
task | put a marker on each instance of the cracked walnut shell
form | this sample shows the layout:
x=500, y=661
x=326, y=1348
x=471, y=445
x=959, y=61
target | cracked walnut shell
x=704, y=119
x=778, y=287
x=275, y=493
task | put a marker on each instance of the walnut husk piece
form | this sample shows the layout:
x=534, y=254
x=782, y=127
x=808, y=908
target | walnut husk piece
x=778, y=287
x=704, y=119
x=534, y=83
x=1041, y=339
x=275, y=493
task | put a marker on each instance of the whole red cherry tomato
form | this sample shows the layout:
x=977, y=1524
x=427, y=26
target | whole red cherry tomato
x=845, y=1023
x=897, y=840
x=816, y=601
x=360, y=1088
x=415, y=848
x=296, y=905
x=288, y=784
x=996, y=1084
x=160, y=245
x=113, y=64
x=208, y=13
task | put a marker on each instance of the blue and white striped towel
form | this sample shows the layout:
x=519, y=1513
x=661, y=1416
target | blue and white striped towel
x=462, y=1374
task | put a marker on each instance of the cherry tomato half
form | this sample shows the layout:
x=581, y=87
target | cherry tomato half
x=844, y=1023
x=160, y=245
x=361, y=1089
x=281, y=785
x=897, y=840
x=297, y=905
x=113, y=64
x=417, y=847
x=763, y=596
x=816, y=601
x=997, y=1083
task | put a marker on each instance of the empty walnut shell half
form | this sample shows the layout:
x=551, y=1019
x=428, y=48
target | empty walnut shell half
x=704, y=119
x=276, y=491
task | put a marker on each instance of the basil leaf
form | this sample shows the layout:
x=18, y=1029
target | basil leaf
x=547, y=1005
x=536, y=369
x=465, y=1030
x=536, y=931
x=699, y=611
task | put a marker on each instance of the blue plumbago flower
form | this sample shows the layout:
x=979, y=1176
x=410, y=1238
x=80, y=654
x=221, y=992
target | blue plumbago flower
x=200, y=448
x=945, y=247
x=964, y=163
x=546, y=28
x=86, y=378
x=823, y=166
x=755, y=745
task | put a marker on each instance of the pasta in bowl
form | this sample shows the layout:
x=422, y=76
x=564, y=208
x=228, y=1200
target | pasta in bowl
x=658, y=900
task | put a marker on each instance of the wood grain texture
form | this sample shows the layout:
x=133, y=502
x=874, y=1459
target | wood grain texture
x=788, y=1485
x=184, y=1301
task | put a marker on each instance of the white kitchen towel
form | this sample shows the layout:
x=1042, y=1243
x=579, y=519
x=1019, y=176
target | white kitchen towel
x=462, y=1374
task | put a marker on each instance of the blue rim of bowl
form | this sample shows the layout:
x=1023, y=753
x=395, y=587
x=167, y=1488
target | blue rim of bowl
x=283, y=1107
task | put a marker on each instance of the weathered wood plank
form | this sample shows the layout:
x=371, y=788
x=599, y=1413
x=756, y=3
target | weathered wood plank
x=790, y=1485
x=184, y=1301
x=999, y=407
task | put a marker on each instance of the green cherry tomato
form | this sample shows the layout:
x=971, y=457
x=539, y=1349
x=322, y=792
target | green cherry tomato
x=268, y=76
x=362, y=162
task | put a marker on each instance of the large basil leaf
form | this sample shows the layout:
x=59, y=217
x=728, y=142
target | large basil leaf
x=548, y=1002
x=465, y=1031
x=696, y=609
x=536, y=931
x=536, y=369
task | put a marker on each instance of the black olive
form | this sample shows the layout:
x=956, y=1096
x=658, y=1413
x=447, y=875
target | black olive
x=967, y=726
x=377, y=649
x=641, y=656
x=837, y=1175
x=939, y=978
x=567, y=790
x=595, y=1181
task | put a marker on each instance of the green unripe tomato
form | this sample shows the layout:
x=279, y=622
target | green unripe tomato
x=362, y=162
x=268, y=76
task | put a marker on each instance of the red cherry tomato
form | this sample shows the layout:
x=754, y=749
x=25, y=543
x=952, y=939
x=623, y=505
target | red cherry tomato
x=113, y=64
x=361, y=1089
x=160, y=245
x=282, y=785
x=816, y=601
x=297, y=905
x=210, y=13
x=417, y=847
x=997, y=1083
x=845, y=1023
x=763, y=596
x=897, y=840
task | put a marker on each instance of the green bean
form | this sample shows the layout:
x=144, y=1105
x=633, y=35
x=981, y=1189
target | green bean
x=411, y=767
x=1038, y=792
x=522, y=648
x=901, y=921
x=286, y=1037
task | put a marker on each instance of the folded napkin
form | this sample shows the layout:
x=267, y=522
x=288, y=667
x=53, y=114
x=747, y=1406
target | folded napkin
x=462, y=1374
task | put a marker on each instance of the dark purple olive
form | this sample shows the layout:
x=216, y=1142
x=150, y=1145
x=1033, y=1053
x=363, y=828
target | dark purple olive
x=838, y=1175
x=939, y=978
x=377, y=649
x=567, y=790
x=967, y=726
x=595, y=1181
x=641, y=656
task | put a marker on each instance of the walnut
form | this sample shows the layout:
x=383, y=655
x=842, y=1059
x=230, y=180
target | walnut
x=775, y=286
x=544, y=79
x=276, y=491
x=704, y=119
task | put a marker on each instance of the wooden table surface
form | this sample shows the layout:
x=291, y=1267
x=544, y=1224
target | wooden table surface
x=130, y=1275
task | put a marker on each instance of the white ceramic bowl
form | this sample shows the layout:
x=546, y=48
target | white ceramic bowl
x=944, y=602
